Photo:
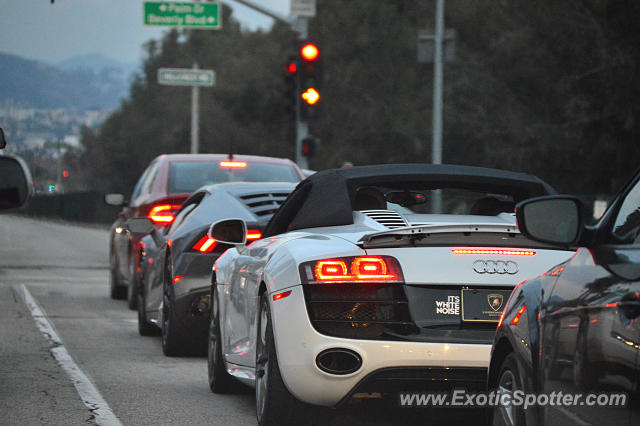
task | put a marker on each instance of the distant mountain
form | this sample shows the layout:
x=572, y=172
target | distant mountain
x=96, y=63
x=33, y=84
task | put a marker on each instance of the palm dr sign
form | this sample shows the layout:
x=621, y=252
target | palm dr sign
x=188, y=15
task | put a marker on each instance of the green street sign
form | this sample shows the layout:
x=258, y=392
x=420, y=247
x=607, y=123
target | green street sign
x=205, y=16
x=186, y=77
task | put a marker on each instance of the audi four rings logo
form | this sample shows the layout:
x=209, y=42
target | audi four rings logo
x=495, y=267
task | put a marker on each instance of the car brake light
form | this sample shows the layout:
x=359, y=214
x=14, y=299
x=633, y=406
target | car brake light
x=253, y=234
x=495, y=251
x=205, y=244
x=352, y=269
x=234, y=164
x=177, y=278
x=163, y=213
x=516, y=319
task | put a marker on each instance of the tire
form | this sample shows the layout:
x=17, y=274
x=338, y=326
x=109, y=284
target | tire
x=219, y=380
x=508, y=382
x=145, y=328
x=117, y=291
x=172, y=337
x=175, y=340
x=133, y=286
x=274, y=403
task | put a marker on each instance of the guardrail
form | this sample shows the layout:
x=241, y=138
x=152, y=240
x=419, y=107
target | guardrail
x=87, y=206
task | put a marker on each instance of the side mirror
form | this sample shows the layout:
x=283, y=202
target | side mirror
x=140, y=226
x=114, y=199
x=3, y=140
x=554, y=219
x=229, y=231
x=15, y=182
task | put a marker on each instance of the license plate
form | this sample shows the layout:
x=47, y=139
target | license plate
x=483, y=305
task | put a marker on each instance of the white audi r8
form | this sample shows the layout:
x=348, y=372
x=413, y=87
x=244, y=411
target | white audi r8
x=358, y=289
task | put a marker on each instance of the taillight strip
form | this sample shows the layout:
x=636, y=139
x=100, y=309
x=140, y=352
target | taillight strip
x=495, y=251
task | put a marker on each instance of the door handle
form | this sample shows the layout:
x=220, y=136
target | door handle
x=630, y=305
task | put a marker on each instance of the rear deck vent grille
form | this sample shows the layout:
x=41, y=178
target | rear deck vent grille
x=388, y=218
x=263, y=204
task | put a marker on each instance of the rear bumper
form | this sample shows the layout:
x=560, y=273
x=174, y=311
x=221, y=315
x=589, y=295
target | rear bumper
x=298, y=345
x=391, y=381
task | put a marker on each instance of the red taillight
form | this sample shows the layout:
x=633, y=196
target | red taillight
x=205, y=244
x=234, y=164
x=282, y=295
x=495, y=251
x=330, y=270
x=354, y=269
x=177, y=278
x=163, y=213
x=253, y=234
x=516, y=319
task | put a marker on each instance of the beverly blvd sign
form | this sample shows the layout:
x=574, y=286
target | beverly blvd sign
x=204, y=16
x=186, y=77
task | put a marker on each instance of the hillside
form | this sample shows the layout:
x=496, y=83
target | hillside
x=32, y=84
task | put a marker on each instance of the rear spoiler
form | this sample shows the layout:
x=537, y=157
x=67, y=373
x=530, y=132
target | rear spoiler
x=409, y=235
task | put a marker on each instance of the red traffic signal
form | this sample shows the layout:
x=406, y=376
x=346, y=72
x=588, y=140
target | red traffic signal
x=65, y=174
x=309, y=52
x=290, y=68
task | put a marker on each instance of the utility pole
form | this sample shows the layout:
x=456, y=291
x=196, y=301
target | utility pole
x=436, y=150
x=195, y=115
x=195, y=111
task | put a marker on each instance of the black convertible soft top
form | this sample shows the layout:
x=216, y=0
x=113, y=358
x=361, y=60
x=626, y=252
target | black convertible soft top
x=326, y=198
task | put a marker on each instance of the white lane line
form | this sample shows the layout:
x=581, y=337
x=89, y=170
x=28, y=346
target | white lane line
x=89, y=394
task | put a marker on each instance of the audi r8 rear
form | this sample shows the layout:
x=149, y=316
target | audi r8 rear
x=360, y=289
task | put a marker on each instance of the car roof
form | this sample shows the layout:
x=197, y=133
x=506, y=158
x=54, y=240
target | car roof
x=324, y=198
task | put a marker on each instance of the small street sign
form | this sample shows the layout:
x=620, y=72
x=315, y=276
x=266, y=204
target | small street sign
x=205, y=16
x=186, y=77
x=306, y=8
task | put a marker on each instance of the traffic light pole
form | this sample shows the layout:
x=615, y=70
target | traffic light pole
x=300, y=26
x=436, y=150
x=302, y=130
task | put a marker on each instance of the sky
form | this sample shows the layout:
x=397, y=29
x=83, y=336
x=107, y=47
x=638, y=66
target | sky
x=37, y=29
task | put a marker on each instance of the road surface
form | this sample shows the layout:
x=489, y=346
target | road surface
x=69, y=355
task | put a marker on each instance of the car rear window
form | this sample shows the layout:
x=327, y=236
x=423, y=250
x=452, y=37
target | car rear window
x=186, y=177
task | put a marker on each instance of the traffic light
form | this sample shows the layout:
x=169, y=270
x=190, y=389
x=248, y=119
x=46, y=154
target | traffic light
x=310, y=78
x=291, y=84
x=308, y=147
x=65, y=174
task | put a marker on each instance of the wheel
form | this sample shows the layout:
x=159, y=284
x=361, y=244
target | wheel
x=274, y=403
x=508, y=383
x=145, y=328
x=219, y=380
x=133, y=286
x=174, y=338
x=117, y=291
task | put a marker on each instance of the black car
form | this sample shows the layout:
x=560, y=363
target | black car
x=575, y=329
x=176, y=267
